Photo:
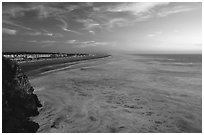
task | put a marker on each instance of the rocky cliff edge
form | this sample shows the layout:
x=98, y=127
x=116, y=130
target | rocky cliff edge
x=18, y=101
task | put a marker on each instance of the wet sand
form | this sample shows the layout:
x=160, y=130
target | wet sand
x=120, y=94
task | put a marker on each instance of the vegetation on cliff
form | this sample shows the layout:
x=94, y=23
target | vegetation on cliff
x=18, y=101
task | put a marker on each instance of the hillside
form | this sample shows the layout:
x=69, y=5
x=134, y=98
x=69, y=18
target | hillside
x=18, y=101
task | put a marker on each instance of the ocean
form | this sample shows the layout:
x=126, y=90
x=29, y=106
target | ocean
x=131, y=93
x=182, y=59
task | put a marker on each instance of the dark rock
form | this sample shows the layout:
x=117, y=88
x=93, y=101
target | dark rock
x=18, y=100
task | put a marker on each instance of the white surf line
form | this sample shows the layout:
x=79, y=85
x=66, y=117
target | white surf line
x=86, y=67
x=83, y=67
x=60, y=69
x=81, y=63
x=62, y=64
x=70, y=64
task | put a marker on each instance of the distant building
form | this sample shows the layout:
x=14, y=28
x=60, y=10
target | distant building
x=26, y=57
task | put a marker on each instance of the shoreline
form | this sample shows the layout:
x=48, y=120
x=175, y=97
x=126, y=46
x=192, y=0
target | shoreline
x=36, y=69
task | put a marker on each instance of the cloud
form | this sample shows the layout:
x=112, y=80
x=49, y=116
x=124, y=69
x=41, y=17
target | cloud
x=92, y=32
x=177, y=9
x=89, y=24
x=43, y=33
x=42, y=10
x=93, y=44
x=47, y=33
x=151, y=35
x=58, y=35
x=105, y=23
x=9, y=31
x=83, y=44
x=89, y=16
x=48, y=41
x=64, y=26
x=115, y=15
x=47, y=11
x=154, y=34
x=71, y=41
x=117, y=22
x=42, y=42
x=32, y=41
x=136, y=8
x=131, y=13
x=12, y=11
x=15, y=24
x=76, y=32
x=33, y=33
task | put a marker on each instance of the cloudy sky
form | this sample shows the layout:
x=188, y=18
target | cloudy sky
x=103, y=27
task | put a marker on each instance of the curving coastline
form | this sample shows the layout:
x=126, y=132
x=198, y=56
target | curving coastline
x=36, y=68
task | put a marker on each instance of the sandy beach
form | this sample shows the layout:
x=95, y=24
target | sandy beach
x=120, y=94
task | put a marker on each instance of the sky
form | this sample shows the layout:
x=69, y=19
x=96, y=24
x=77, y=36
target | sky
x=102, y=27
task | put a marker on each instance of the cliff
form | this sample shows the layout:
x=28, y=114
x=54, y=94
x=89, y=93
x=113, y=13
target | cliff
x=18, y=101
